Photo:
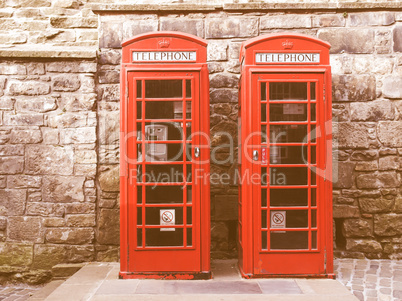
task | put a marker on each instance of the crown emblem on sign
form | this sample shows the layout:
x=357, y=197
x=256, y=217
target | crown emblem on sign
x=287, y=44
x=163, y=43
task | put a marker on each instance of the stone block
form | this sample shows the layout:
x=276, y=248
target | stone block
x=71, y=236
x=224, y=80
x=63, y=189
x=371, y=19
x=66, y=83
x=78, y=135
x=54, y=222
x=353, y=87
x=364, y=155
x=109, y=227
x=39, y=104
x=71, y=67
x=372, y=111
x=214, y=67
x=30, y=88
x=6, y=103
x=191, y=26
x=217, y=51
x=389, y=163
x=15, y=254
x=85, y=156
x=340, y=112
x=109, y=128
x=11, y=150
x=83, y=253
x=23, y=181
x=67, y=120
x=110, y=34
x=80, y=208
x=369, y=205
x=88, y=170
x=66, y=270
x=377, y=180
x=345, y=175
x=109, y=180
x=43, y=209
x=345, y=211
x=110, y=92
x=109, y=57
x=224, y=95
x=392, y=86
x=22, y=119
x=12, y=202
x=80, y=220
x=388, y=224
x=46, y=256
x=109, y=77
x=11, y=165
x=225, y=208
x=386, y=133
x=3, y=223
x=397, y=35
x=108, y=254
x=357, y=228
x=132, y=28
x=50, y=136
x=328, y=20
x=349, y=40
x=35, y=68
x=47, y=159
x=25, y=136
x=363, y=245
x=73, y=22
x=285, y=21
x=367, y=166
x=217, y=28
x=353, y=135
x=84, y=35
x=25, y=228
x=13, y=69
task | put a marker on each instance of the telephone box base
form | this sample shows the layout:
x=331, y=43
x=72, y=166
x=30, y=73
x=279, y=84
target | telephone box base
x=253, y=276
x=166, y=275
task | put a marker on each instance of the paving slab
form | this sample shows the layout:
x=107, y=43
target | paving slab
x=279, y=286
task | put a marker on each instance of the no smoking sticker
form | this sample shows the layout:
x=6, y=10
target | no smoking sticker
x=278, y=219
x=167, y=218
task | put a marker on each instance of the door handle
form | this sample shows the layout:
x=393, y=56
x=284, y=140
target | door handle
x=255, y=155
x=196, y=152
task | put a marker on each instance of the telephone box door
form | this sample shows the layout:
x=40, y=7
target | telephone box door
x=290, y=204
x=165, y=205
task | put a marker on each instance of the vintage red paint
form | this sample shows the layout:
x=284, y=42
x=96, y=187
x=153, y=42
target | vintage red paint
x=285, y=220
x=164, y=211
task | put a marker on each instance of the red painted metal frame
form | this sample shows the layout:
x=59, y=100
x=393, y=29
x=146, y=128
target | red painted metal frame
x=165, y=262
x=283, y=263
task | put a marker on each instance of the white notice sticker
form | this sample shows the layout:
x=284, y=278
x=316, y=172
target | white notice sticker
x=167, y=218
x=278, y=219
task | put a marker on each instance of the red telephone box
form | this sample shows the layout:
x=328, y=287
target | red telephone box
x=164, y=156
x=285, y=196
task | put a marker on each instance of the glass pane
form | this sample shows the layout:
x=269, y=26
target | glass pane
x=288, y=133
x=139, y=89
x=288, y=154
x=263, y=112
x=313, y=155
x=263, y=240
x=296, y=218
x=314, y=240
x=264, y=176
x=263, y=134
x=288, y=176
x=139, y=215
x=264, y=219
x=288, y=197
x=189, y=215
x=159, y=131
x=189, y=131
x=139, y=194
x=313, y=177
x=139, y=237
x=313, y=218
x=139, y=109
x=288, y=112
x=263, y=91
x=189, y=178
x=189, y=237
x=139, y=173
x=166, y=110
x=263, y=197
x=189, y=151
x=313, y=133
x=164, y=173
x=189, y=195
x=156, y=152
x=164, y=194
x=287, y=91
x=153, y=215
x=313, y=197
x=312, y=91
x=165, y=88
x=312, y=112
x=289, y=240
x=188, y=88
x=158, y=238
x=139, y=129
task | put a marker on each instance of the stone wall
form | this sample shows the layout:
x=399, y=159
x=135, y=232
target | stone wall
x=59, y=121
